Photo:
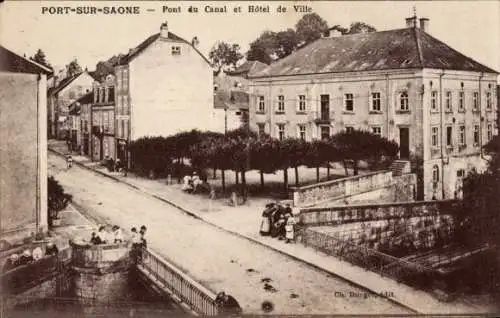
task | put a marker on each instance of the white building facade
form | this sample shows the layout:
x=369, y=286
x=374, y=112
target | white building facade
x=438, y=105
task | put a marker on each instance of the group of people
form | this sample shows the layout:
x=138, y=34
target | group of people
x=227, y=304
x=278, y=221
x=113, y=165
x=106, y=235
x=191, y=183
x=28, y=256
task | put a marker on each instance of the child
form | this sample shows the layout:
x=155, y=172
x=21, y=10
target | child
x=94, y=239
x=142, y=233
x=117, y=233
x=69, y=161
x=290, y=229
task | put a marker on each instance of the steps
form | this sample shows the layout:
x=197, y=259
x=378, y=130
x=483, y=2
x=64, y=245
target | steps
x=400, y=167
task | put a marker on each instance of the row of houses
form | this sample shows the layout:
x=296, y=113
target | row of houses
x=439, y=105
x=161, y=87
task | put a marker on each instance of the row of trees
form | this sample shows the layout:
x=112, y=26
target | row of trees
x=242, y=150
x=271, y=45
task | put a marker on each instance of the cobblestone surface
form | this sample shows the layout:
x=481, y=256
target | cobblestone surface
x=221, y=261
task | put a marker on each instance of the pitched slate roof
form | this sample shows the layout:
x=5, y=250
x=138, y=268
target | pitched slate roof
x=12, y=62
x=394, y=49
x=74, y=107
x=144, y=44
x=65, y=82
x=249, y=67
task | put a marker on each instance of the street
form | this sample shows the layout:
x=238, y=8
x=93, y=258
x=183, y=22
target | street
x=215, y=258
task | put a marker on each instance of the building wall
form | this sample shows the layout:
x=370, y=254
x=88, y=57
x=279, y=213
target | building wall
x=103, y=118
x=86, y=128
x=456, y=156
x=419, y=118
x=361, y=85
x=170, y=93
x=76, y=89
x=23, y=149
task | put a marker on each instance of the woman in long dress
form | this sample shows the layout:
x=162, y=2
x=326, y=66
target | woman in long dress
x=265, y=224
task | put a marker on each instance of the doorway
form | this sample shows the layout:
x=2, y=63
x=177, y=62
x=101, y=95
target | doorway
x=404, y=143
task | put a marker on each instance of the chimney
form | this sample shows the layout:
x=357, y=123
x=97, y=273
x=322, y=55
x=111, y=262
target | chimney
x=195, y=42
x=164, y=30
x=411, y=22
x=424, y=24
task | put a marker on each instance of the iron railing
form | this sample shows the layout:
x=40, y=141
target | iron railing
x=370, y=259
x=197, y=297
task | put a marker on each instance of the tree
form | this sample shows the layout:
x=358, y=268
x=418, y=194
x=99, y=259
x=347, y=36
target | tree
x=286, y=43
x=57, y=199
x=311, y=27
x=40, y=58
x=320, y=152
x=360, y=27
x=104, y=68
x=294, y=151
x=360, y=145
x=264, y=48
x=74, y=68
x=354, y=28
x=225, y=56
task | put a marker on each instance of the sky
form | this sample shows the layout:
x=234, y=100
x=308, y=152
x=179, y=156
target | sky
x=470, y=27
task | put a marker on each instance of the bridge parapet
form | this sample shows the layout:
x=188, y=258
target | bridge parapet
x=100, y=272
x=179, y=286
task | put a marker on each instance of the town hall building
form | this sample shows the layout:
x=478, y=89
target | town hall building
x=439, y=105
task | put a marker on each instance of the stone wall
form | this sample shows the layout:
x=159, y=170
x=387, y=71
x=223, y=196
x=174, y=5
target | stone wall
x=100, y=272
x=369, y=212
x=354, y=188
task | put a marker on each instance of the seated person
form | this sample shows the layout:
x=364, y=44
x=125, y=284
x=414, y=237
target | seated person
x=227, y=304
x=187, y=184
x=103, y=235
x=25, y=258
x=37, y=253
x=51, y=249
x=196, y=181
x=95, y=239
x=117, y=234
x=12, y=262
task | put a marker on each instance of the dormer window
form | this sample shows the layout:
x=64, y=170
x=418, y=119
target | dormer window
x=176, y=50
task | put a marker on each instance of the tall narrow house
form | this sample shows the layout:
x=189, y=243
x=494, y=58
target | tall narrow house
x=164, y=86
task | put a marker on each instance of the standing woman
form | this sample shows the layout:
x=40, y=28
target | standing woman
x=265, y=224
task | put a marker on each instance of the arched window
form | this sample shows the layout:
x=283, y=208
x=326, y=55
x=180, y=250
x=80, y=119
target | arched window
x=403, y=101
x=435, y=175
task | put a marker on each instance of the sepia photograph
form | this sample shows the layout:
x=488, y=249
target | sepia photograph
x=248, y=158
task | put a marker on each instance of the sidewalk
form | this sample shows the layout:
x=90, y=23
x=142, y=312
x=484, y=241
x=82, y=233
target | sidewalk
x=244, y=221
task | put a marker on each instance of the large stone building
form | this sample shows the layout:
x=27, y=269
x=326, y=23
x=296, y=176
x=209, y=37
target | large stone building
x=23, y=146
x=439, y=105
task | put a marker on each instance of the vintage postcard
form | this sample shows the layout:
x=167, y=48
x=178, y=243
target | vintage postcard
x=174, y=158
